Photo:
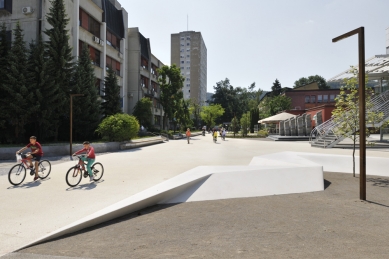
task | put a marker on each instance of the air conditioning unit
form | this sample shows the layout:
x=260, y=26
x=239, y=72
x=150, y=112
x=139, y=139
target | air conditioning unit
x=95, y=39
x=27, y=10
x=101, y=42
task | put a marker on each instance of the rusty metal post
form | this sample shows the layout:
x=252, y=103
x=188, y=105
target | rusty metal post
x=362, y=106
x=362, y=115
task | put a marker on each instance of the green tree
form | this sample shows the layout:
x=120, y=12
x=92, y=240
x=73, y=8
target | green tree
x=346, y=113
x=86, y=108
x=272, y=105
x=195, y=110
x=111, y=104
x=316, y=78
x=210, y=113
x=118, y=127
x=235, y=125
x=171, y=83
x=245, y=123
x=182, y=115
x=21, y=103
x=4, y=51
x=276, y=88
x=59, y=54
x=42, y=87
x=142, y=111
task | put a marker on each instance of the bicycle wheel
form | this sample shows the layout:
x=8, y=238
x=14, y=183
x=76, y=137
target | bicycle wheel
x=73, y=176
x=17, y=174
x=98, y=171
x=44, y=169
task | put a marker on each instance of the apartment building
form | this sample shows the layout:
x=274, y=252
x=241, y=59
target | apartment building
x=188, y=52
x=100, y=24
x=143, y=75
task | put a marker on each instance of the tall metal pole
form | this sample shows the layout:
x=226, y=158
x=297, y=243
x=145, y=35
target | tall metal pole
x=362, y=106
x=362, y=115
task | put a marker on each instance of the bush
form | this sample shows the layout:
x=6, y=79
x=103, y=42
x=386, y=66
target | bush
x=263, y=133
x=118, y=127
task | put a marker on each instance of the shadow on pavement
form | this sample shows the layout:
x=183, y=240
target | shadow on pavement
x=380, y=182
x=26, y=185
x=86, y=186
x=326, y=184
x=376, y=203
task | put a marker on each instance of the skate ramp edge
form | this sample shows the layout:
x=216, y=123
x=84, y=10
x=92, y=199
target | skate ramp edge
x=278, y=174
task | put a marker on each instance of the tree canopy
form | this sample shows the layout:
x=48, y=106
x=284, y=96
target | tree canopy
x=276, y=88
x=111, y=104
x=142, y=111
x=171, y=82
x=272, y=105
x=210, y=113
x=307, y=80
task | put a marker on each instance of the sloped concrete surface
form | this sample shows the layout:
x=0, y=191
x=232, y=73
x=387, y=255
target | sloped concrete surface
x=33, y=210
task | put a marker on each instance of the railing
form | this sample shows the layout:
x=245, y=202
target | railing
x=380, y=103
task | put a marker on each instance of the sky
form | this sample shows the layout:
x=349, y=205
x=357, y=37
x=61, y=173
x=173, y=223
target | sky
x=259, y=41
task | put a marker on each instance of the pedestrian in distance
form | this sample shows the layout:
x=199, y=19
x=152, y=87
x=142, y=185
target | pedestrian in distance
x=36, y=154
x=215, y=136
x=90, y=157
x=187, y=134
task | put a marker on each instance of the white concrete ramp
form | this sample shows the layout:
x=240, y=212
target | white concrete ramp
x=280, y=173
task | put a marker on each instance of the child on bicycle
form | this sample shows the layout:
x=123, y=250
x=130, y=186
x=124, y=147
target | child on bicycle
x=90, y=157
x=36, y=154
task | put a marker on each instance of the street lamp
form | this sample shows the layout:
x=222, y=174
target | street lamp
x=71, y=121
x=362, y=107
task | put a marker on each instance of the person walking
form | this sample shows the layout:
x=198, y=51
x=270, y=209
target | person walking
x=188, y=134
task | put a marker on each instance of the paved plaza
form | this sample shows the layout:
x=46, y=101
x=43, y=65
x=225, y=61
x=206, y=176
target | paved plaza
x=286, y=226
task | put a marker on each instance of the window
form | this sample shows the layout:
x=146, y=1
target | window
x=1, y=4
x=325, y=98
x=187, y=67
x=182, y=62
x=188, y=56
x=181, y=56
x=144, y=63
x=182, y=68
x=188, y=61
x=332, y=98
x=94, y=53
x=182, y=50
x=188, y=79
x=115, y=65
x=188, y=44
x=313, y=98
x=319, y=98
x=307, y=99
x=182, y=44
x=188, y=38
x=98, y=84
x=113, y=41
x=89, y=23
x=187, y=85
x=187, y=49
x=182, y=38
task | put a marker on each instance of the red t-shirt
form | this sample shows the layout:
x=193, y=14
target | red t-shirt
x=90, y=152
x=36, y=147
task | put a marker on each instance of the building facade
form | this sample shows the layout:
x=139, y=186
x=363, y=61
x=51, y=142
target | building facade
x=189, y=53
x=99, y=24
x=143, y=75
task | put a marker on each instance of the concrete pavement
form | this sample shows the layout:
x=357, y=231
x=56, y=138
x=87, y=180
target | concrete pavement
x=35, y=209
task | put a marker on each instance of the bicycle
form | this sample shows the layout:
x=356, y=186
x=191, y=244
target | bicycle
x=17, y=173
x=75, y=173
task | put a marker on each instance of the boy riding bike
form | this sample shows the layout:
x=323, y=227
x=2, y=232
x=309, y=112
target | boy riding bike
x=36, y=154
x=90, y=157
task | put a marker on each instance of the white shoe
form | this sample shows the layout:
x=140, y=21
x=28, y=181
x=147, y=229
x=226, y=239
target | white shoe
x=91, y=178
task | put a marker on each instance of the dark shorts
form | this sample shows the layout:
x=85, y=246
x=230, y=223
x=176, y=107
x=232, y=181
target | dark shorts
x=36, y=157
